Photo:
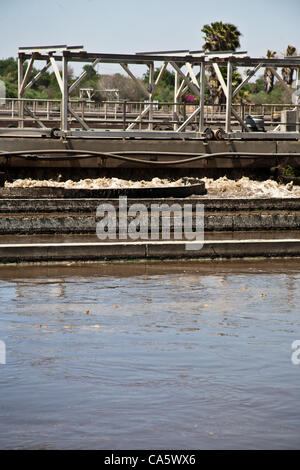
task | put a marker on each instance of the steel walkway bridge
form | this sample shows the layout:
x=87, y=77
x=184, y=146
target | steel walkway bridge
x=143, y=119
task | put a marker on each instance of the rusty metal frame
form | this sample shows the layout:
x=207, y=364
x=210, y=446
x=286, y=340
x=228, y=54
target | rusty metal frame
x=178, y=60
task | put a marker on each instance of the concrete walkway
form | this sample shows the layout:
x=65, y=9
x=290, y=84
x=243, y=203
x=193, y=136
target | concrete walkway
x=217, y=249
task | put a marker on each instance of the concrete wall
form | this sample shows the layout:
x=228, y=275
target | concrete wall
x=60, y=216
x=98, y=166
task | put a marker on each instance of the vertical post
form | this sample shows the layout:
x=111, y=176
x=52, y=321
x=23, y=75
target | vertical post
x=64, y=100
x=20, y=93
x=229, y=98
x=124, y=114
x=176, y=97
x=48, y=111
x=151, y=86
x=184, y=111
x=242, y=110
x=297, y=100
x=140, y=113
x=201, y=97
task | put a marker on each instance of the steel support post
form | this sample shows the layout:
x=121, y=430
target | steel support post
x=65, y=95
x=20, y=92
x=151, y=88
x=229, y=98
x=176, y=98
x=297, y=99
x=202, y=97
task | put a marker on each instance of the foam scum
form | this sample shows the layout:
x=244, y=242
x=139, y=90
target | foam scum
x=221, y=187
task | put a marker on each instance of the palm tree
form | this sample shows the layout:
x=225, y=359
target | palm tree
x=287, y=72
x=219, y=36
x=268, y=75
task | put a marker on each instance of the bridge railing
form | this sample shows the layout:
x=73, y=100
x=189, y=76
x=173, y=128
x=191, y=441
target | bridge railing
x=122, y=114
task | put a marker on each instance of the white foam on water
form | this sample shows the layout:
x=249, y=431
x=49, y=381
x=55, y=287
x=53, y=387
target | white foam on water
x=245, y=187
x=221, y=187
x=96, y=183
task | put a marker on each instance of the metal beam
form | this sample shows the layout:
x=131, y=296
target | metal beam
x=65, y=96
x=57, y=73
x=221, y=78
x=189, y=119
x=183, y=87
x=26, y=76
x=83, y=56
x=190, y=80
x=30, y=113
x=78, y=118
x=138, y=119
x=50, y=49
x=181, y=90
x=82, y=76
x=228, y=105
x=239, y=119
x=229, y=98
x=144, y=58
x=158, y=79
x=139, y=84
x=202, y=95
x=192, y=73
x=20, y=93
x=192, y=87
x=150, y=95
x=38, y=76
x=176, y=106
x=253, y=72
x=290, y=90
x=151, y=86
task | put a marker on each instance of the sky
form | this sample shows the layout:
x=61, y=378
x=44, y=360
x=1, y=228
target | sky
x=120, y=26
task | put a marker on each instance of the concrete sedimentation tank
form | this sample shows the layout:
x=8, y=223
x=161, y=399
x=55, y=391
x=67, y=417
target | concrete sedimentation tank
x=180, y=150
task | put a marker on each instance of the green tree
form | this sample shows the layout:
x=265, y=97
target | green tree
x=165, y=90
x=259, y=96
x=45, y=87
x=219, y=36
x=9, y=75
x=90, y=81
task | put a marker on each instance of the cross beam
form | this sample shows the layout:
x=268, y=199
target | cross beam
x=189, y=80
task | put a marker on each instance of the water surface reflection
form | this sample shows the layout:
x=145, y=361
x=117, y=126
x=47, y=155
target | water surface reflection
x=150, y=355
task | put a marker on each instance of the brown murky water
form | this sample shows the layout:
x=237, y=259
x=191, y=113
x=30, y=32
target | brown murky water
x=150, y=355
